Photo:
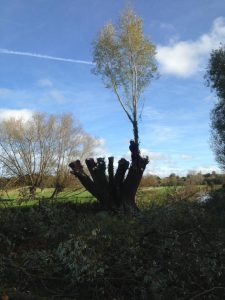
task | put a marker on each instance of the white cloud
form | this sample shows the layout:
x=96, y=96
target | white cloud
x=100, y=148
x=178, y=114
x=57, y=96
x=207, y=169
x=25, y=114
x=167, y=26
x=154, y=156
x=165, y=170
x=152, y=113
x=186, y=157
x=45, y=82
x=184, y=58
x=159, y=163
x=5, y=92
x=161, y=133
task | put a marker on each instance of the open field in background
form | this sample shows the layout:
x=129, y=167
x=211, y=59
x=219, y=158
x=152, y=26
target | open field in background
x=16, y=197
x=45, y=193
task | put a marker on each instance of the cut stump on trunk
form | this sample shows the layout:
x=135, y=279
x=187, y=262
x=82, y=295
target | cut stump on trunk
x=115, y=191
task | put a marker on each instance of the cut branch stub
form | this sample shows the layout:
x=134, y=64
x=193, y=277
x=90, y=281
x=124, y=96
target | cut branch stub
x=85, y=180
x=111, y=169
x=114, y=190
x=123, y=166
x=77, y=167
x=97, y=172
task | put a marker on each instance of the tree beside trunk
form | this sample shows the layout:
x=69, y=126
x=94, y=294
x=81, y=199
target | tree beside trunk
x=114, y=190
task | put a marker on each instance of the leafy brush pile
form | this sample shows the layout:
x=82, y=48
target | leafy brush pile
x=66, y=251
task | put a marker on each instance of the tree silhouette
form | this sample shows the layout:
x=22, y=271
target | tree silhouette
x=125, y=60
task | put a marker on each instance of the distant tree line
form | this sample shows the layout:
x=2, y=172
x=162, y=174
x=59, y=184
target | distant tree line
x=192, y=178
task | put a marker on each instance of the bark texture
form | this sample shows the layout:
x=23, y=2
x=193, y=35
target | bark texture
x=113, y=190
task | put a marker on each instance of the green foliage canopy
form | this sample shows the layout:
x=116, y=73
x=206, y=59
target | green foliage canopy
x=218, y=132
x=215, y=77
x=125, y=59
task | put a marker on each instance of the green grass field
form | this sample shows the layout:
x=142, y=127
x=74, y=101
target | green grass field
x=14, y=197
x=158, y=195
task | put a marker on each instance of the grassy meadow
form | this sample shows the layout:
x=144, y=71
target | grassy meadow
x=17, y=197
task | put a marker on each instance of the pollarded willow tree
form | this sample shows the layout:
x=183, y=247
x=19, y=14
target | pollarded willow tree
x=125, y=60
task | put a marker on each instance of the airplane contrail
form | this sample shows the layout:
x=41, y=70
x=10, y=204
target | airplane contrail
x=37, y=55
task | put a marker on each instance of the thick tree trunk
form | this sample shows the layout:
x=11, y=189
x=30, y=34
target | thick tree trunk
x=58, y=189
x=115, y=190
x=32, y=190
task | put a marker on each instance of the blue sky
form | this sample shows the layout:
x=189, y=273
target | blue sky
x=174, y=129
